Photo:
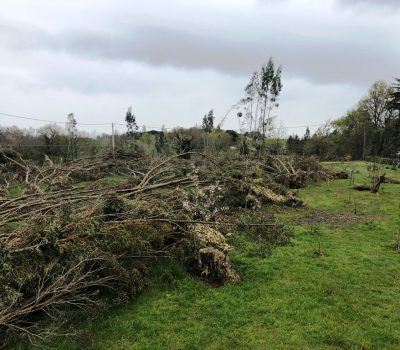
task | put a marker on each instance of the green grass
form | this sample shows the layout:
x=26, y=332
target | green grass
x=17, y=190
x=347, y=299
x=114, y=180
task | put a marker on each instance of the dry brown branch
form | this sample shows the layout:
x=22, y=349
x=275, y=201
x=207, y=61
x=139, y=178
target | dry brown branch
x=374, y=188
x=392, y=180
x=75, y=286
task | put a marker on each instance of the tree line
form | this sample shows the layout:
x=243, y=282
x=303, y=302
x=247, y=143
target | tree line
x=370, y=130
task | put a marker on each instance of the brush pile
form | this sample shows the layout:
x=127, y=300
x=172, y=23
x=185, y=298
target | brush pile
x=297, y=172
x=71, y=232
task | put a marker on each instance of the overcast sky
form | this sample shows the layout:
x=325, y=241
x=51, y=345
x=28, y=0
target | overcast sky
x=175, y=60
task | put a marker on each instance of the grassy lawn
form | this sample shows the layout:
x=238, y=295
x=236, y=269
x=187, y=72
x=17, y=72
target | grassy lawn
x=349, y=298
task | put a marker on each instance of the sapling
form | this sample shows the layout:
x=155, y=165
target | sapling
x=351, y=184
x=397, y=244
x=317, y=232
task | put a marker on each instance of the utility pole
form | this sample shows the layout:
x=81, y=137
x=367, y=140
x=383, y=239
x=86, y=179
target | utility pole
x=112, y=138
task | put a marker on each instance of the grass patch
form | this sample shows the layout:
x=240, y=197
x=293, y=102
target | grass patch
x=346, y=299
x=114, y=180
x=16, y=191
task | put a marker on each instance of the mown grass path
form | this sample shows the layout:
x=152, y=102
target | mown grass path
x=347, y=299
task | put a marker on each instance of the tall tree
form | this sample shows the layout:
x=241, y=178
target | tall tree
x=392, y=131
x=251, y=101
x=270, y=89
x=377, y=105
x=307, y=135
x=72, y=136
x=262, y=93
x=208, y=121
x=131, y=124
x=354, y=133
x=394, y=99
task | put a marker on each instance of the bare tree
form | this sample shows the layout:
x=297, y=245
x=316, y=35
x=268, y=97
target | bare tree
x=251, y=101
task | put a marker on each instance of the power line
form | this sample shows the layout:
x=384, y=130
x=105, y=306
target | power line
x=46, y=120
x=301, y=126
x=78, y=123
x=151, y=127
x=139, y=126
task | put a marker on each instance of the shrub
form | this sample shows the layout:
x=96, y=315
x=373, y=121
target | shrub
x=113, y=207
x=264, y=232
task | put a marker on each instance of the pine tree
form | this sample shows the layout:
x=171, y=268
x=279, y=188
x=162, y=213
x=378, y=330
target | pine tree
x=131, y=125
x=307, y=135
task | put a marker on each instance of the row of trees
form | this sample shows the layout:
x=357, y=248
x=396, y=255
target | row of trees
x=51, y=140
x=261, y=98
x=262, y=93
x=55, y=142
x=371, y=129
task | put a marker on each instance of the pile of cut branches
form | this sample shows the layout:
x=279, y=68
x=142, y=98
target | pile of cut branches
x=296, y=172
x=64, y=242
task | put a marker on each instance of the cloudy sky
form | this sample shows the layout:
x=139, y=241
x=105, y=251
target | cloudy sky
x=173, y=60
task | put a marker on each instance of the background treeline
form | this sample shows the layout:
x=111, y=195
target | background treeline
x=371, y=129
x=53, y=142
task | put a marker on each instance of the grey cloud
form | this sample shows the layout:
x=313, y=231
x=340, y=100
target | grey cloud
x=317, y=58
x=22, y=36
x=166, y=58
x=321, y=60
x=370, y=3
x=165, y=46
x=96, y=80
